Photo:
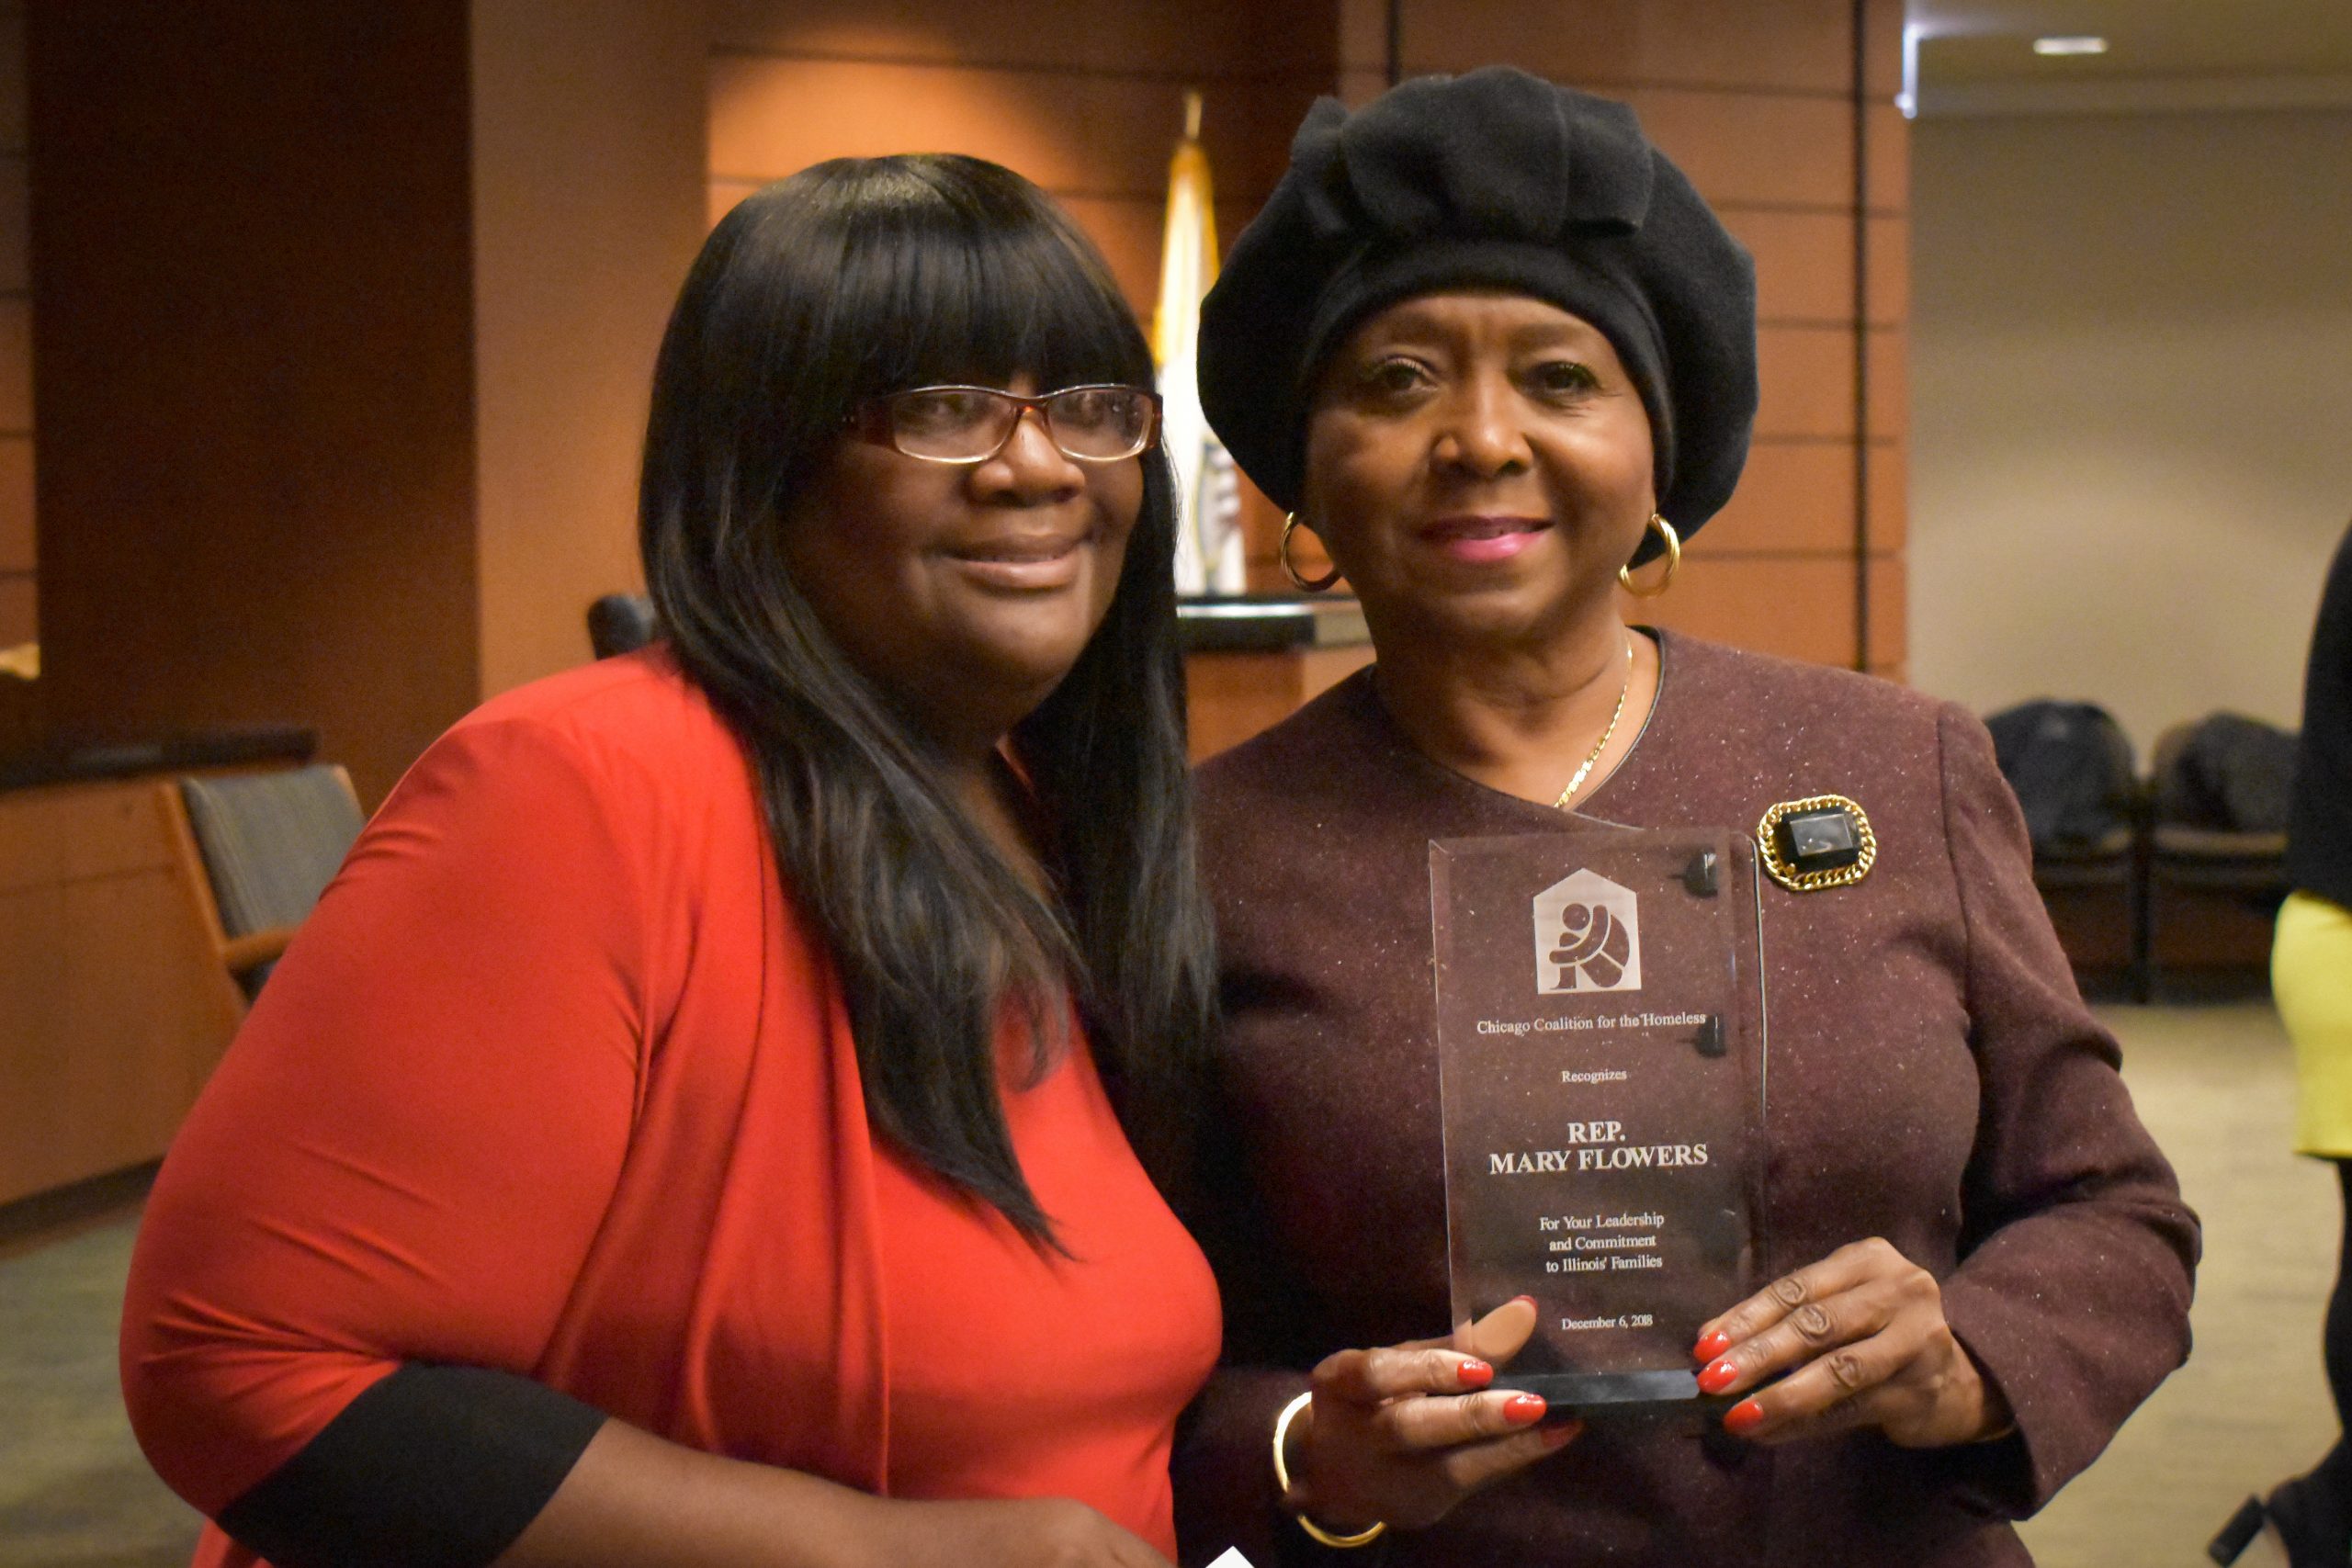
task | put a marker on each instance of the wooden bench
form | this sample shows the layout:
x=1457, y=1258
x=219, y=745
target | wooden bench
x=114, y=1004
x=119, y=983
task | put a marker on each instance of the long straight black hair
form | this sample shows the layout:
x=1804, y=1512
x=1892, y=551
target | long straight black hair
x=851, y=279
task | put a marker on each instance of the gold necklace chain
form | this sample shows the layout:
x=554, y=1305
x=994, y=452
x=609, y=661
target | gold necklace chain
x=1602, y=744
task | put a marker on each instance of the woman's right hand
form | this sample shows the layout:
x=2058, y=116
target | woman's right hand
x=1404, y=1433
x=1045, y=1532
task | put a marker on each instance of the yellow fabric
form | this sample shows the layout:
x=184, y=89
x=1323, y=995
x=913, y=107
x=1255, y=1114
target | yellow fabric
x=2311, y=975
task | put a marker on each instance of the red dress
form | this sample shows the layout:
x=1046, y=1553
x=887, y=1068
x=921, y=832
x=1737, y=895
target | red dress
x=556, y=1081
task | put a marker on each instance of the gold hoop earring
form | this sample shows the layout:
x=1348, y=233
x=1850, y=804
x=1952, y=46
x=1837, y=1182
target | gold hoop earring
x=1673, y=562
x=1290, y=525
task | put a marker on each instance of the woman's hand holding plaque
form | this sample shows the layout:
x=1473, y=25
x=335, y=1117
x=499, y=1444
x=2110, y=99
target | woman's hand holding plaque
x=1406, y=1432
x=1858, y=1340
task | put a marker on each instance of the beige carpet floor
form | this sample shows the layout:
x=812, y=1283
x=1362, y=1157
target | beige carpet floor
x=74, y=1492
x=2249, y=1409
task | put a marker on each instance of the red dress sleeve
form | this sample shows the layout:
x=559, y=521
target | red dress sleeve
x=407, y=1151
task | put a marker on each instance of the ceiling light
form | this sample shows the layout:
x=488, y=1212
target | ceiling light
x=2079, y=45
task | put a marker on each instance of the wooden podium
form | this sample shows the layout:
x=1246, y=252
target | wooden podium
x=1251, y=661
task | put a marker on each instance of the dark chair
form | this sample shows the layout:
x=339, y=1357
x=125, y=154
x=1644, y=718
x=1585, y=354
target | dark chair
x=621, y=623
x=269, y=842
x=2217, y=842
x=2071, y=766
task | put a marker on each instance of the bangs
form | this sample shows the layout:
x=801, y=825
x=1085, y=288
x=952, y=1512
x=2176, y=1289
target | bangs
x=976, y=286
x=853, y=279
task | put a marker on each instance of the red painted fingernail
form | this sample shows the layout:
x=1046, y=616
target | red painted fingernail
x=1529, y=1300
x=1711, y=1347
x=1562, y=1435
x=1475, y=1374
x=1743, y=1419
x=1523, y=1409
x=1718, y=1377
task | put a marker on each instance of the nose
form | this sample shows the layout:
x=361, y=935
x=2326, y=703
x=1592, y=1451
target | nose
x=1029, y=467
x=1480, y=431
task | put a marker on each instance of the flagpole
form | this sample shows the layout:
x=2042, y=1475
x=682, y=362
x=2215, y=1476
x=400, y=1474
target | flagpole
x=1208, y=550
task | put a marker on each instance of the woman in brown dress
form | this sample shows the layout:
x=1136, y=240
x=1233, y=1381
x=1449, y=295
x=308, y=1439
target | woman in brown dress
x=1491, y=348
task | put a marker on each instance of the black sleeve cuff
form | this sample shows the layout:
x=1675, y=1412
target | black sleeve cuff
x=439, y=1466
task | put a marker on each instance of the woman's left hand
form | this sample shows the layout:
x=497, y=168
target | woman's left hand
x=1862, y=1339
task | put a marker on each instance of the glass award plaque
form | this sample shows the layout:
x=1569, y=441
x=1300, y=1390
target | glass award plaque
x=1601, y=1040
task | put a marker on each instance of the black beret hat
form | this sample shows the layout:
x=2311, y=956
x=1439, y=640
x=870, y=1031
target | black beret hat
x=1496, y=178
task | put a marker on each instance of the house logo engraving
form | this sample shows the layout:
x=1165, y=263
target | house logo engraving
x=1587, y=937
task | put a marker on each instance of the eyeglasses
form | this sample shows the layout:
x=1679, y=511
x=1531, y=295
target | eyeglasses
x=971, y=424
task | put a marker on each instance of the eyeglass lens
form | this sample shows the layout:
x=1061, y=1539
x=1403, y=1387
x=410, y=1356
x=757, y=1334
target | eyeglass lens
x=972, y=424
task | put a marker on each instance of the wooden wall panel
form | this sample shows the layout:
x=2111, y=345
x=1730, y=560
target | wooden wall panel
x=113, y=1008
x=1890, y=496
x=1198, y=39
x=1756, y=149
x=1889, y=538
x=1890, y=612
x=1365, y=36
x=356, y=446
x=17, y=550
x=1089, y=104
x=1889, y=155
x=17, y=622
x=256, y=466
x=1890, y=271
x=589, y=141
x=22, y=726
x=1793, y=46
x=722, y=195
x=1075, y=135
x=17, y=364
x=1882, y=49
x=16, y=276
x=14, y=116
x=1795, y=497
x=1890, y=381
x=1231, y=696
x=1359, y=87
x=1128, y=231
x=1806, y=378
x=1797, y=606
x=1804, y=263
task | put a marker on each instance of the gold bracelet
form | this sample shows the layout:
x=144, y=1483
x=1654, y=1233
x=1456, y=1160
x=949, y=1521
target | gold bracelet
x=1282, y=1481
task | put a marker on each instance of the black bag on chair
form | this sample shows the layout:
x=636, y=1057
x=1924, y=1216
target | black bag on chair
x=2231, y=772
x=2070, y=765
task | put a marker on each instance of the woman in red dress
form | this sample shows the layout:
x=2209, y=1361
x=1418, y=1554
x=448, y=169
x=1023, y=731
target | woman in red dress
x=693, y=1127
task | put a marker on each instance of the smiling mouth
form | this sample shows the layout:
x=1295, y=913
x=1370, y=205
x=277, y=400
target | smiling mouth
x=1020, y=552
x=1446, y=530
x=1045, y=563
x=1479, y=540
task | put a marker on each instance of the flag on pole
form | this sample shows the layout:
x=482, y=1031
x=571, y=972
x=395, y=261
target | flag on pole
x=1208, y=531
